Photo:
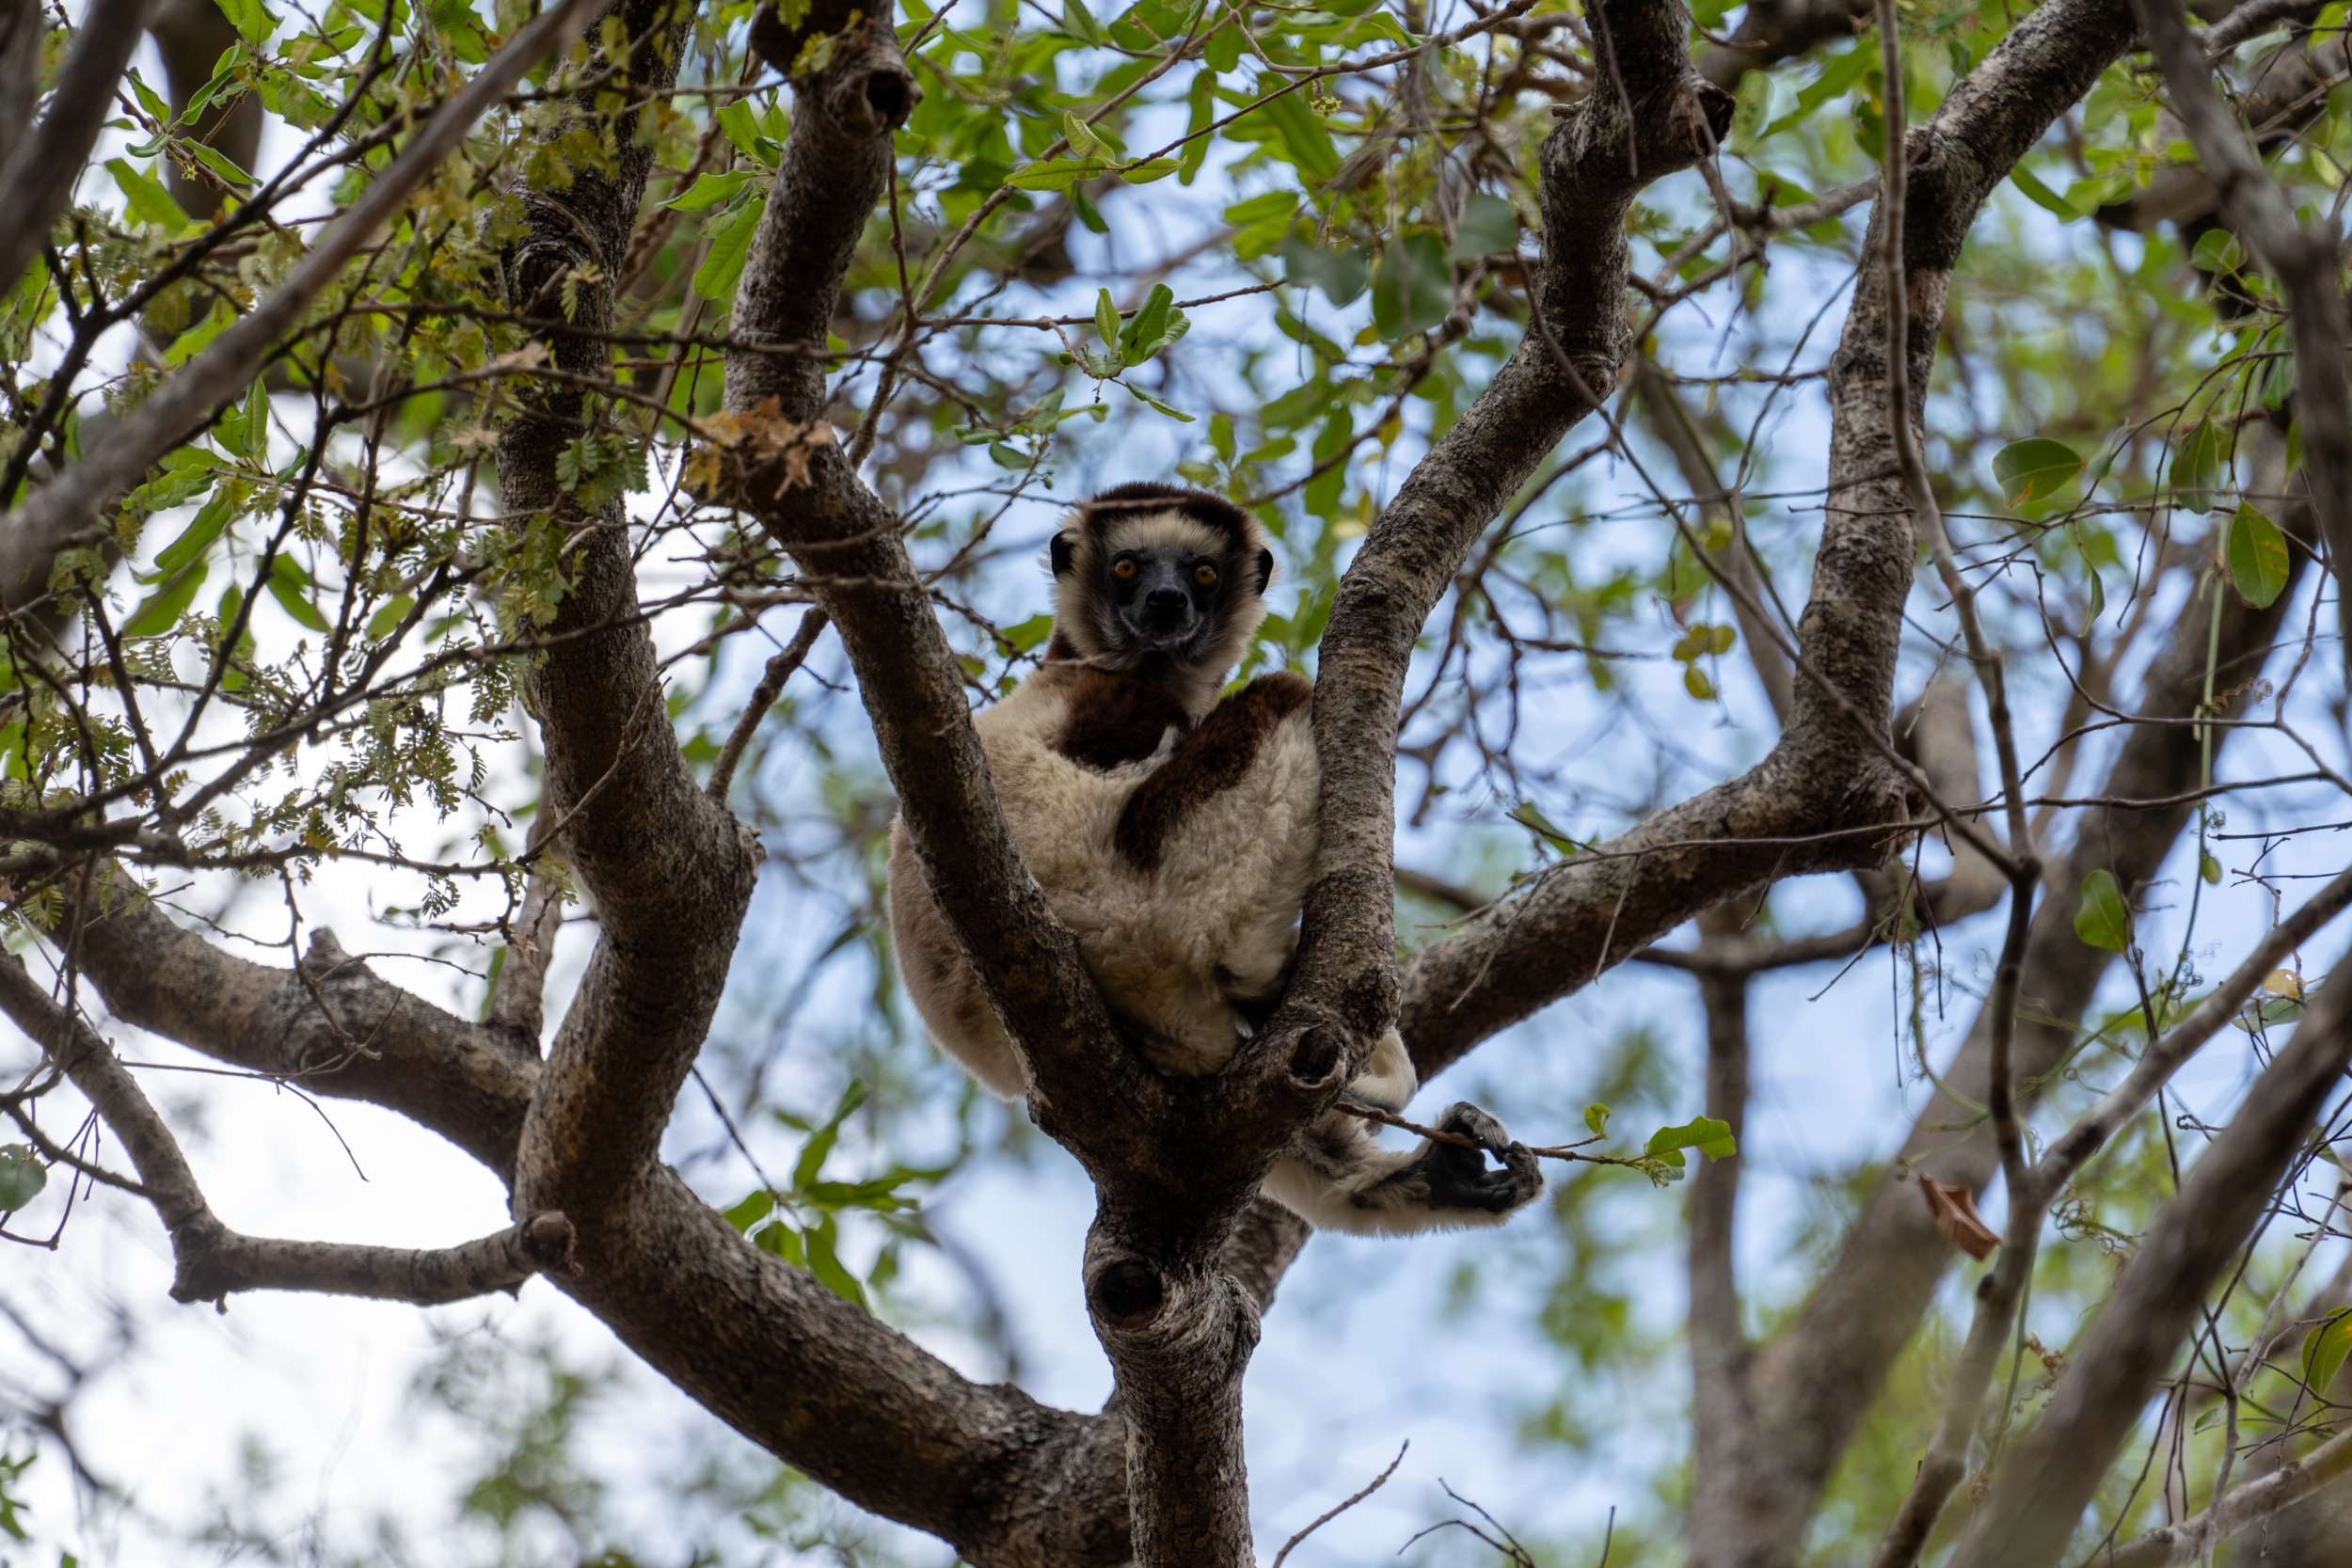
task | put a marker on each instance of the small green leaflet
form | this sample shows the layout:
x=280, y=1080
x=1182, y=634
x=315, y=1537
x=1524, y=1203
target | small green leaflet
x=22, y=1177
x=2103, y=919
x=1148, y=170
x=1709, y=1137
x=2035, y=468
x=1105, y=318
x=711, y=189
x=2257, y=554
x=2324, y=1352
x=1597, y=1120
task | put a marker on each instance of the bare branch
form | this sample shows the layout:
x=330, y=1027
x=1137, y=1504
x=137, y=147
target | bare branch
x=2049, y=1476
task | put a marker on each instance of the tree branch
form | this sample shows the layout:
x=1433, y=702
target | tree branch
x=37, y=180
x=2049, y=1476
x=2303, y=261
x=65, y=511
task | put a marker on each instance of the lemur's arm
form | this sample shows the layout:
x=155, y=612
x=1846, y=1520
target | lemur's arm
x=1212, y=759
x=1116, y=718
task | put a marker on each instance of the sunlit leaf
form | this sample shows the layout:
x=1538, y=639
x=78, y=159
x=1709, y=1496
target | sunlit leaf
x=2103, y=919
x=2257, y=554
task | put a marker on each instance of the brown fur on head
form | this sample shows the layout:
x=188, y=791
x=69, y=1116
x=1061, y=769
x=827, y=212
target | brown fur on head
x=1129, y=596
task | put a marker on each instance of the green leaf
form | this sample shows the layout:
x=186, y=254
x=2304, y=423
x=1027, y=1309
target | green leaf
x=21, y=1177
x=1839, y=73
x=1340, y=273
x=2257, y=554
x=1304, y=138
x=1489, y=226
x=2103, y=919
x=1105, y=318
x=1694, y=681
x=751, y=1211
x=1412, y=287
x=1709, y=1137
x=741, y=125
x=1156, y=405
x=2040, y=194
x=1157, y=325
x=1029, y=633
x=2034, y=469
x=2325, y=1350
x=161, y=610
x=826, y=1264
x=219, y=163
x=729, y=246
x=290, y=585
x=813, y=1158
x=2198, y=466
x=145, y=198
x=198, y=536
x=1597, y=1120
x=1273, y=204
x=1752, y=112
x=250, y=18
x=1053, y=174
x=246, y=432
x=1528, y=815
x=1081, y=137
x=389, y=616
x=195, y=339
x=711, y=189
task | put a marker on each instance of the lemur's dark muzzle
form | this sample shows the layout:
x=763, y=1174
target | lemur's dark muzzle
x=1161, y=613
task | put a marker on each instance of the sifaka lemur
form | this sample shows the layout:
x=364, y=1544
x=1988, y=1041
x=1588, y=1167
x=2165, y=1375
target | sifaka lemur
x=1175, y=835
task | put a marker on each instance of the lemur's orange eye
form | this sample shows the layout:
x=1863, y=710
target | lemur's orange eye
x=1205, y=575
x=1122, y=569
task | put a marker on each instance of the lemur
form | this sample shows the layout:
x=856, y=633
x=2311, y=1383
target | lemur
x=1175, y=835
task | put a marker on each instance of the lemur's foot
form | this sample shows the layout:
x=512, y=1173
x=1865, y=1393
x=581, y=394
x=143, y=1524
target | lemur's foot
x=1458, y=1177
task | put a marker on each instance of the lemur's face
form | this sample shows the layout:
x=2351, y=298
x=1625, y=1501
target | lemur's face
x=1163, y=595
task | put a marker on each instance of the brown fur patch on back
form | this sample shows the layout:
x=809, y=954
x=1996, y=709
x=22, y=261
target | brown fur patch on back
x=1116, y=718
x=1213, y=758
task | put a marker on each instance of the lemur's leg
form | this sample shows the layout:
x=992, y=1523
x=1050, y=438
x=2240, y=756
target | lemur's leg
x=1388, y=1081
x=1212, y=759
x=1336, y=1178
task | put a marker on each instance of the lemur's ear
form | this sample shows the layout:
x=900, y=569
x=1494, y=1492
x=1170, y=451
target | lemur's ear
x=1265, y=569
x=1065, y=553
